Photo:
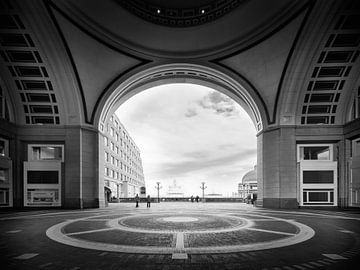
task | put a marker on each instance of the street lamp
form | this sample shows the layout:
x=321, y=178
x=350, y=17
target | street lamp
x=158, y=187
x=203, y=187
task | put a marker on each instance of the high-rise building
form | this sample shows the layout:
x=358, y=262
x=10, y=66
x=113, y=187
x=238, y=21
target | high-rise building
x=123, y=171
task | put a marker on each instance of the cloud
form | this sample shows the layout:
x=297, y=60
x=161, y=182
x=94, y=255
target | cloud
x=191, y=112
x=195, y=163
x=219, y=103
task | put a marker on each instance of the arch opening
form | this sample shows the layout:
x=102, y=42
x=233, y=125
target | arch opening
x=236, y=89
x=174, y=74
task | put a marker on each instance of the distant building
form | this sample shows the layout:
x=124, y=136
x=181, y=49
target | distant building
x=248, y=184
x=123, y=174
x=174, y=191
x=214, y=195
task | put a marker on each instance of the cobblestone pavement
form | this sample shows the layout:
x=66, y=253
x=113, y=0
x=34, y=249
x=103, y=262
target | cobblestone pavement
x=180, y=236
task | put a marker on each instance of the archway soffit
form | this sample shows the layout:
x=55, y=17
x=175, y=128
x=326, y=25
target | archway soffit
x=50, y=5
x=308, y=6
x=172, y=72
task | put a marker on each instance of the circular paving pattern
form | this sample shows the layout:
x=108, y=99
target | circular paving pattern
x=168, y=233
x=189, y=223
x=179, y=219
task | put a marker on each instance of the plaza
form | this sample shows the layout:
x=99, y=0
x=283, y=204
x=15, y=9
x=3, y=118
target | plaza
x=67, y=66
x=181, y=235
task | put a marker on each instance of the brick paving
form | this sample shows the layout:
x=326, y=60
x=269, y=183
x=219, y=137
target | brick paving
x=335, y=233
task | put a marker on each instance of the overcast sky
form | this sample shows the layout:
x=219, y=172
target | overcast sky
x=192, y=134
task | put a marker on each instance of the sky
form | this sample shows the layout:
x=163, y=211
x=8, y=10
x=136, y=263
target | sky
x=191, y=134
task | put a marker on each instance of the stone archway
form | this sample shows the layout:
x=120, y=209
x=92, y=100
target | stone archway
x=121, y=91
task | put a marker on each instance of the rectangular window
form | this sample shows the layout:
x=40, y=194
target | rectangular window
x=315, y=153
x=112, y=132
x=46, y=153
x=4, y=196
x=42, y=177
x=4, y=148
x=105, y=141
x=4, y=176
x=318, y=197
x=318, y=177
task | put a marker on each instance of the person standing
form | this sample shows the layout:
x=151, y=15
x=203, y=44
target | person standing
x=197, y=198
x=192, y=198
x=137, y=199
x=148, y=201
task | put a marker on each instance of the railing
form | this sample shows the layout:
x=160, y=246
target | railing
x=182, y=199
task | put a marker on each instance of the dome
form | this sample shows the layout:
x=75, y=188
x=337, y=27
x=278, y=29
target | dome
x=250, y=176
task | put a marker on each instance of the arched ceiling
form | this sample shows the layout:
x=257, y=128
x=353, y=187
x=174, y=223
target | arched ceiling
x=243, y=26
x=180, y=13
x=60, y=59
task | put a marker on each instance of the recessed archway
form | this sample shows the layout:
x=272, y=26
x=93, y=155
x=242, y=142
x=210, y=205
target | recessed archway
x=236, y=88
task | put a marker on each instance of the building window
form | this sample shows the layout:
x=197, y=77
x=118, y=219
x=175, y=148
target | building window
x=4, y=147
x=117, y=136
x=112, y=160
x=46, y=152
x=318, y=196
x=355, y=111
x=318, y=152
x=4, y=110
x=315, y=153
x=4, y=196
x=105, y=141
x=112, y=132
x=318, y=177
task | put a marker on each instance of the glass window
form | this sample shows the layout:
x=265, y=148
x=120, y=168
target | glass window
x=46, y=153
x=4, y=196
x=318, y=177
x=315, y=153
x=42, y=177
x=318, y=196
x=112, y=132
x=2, y=148
x=105, y=141
x=3, y=176
x=4, y=151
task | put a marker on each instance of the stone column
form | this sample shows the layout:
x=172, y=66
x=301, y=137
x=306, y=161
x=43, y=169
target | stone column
x=277, y=168
x=82, y=184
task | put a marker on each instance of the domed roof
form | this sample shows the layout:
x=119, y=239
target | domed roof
x=250, y=176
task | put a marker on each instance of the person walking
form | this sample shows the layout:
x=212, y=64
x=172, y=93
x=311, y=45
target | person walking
x=137, y=199
x=148, y=201
x=197, y=198
x=192, y=198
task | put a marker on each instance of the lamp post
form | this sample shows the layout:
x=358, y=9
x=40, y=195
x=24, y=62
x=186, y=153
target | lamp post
x=158, y=187
x=203, y=187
